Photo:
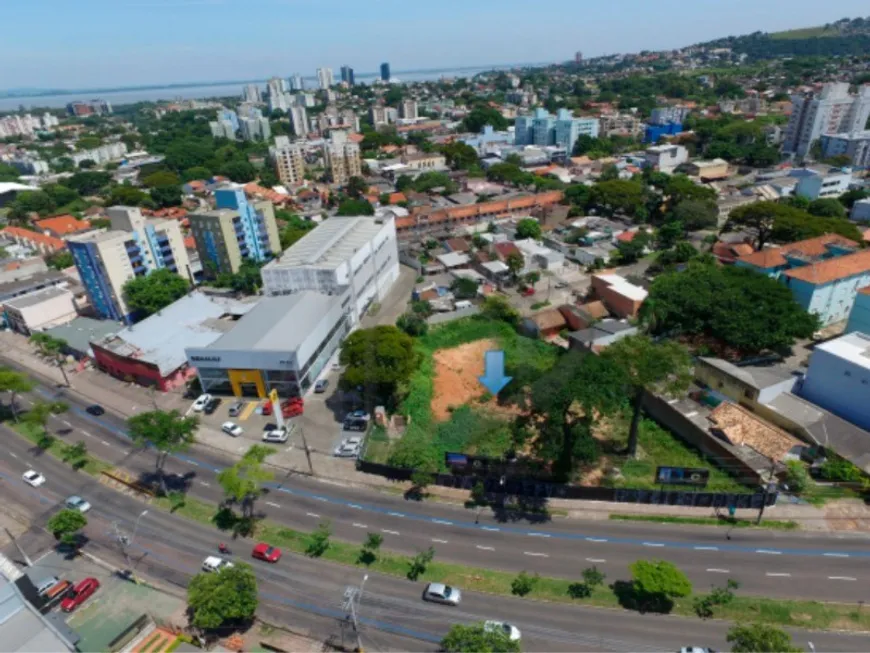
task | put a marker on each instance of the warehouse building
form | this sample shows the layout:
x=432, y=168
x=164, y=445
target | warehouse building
x=282, y=344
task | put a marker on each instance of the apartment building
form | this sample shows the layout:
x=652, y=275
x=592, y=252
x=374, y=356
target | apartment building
x=236, y=230
x=620, y=124
x=325, y=78
x=342, y=158
x=666, y=158
x=251, y=93
x=289, y=161
x=357, y=256
x=408, y=109
x=543, y=128
x=103, y=154
x=133, y=247
x=347, y=75
x=855, y=145
x=833, y=110
x=671, y=114
x=299, y=119
x=381, y=115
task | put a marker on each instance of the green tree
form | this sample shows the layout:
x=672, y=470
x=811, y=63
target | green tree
x=696, y=215
x=238, y=171
x=499, y=308
x=515, y=264
x=419, y=563
x=196, y=173
x=475, y=637
x=222, y=598
x=656, y=583
x=61, y=195
x=75, y=454
x=26, y=202
x=592, y=578
x=40, y=411
x=126, y=195
x=529, y=228
x=412, y=324
x=318, y=540
x=162, y=179
x=827, y=207
x=243, y=482
x=8, y=173
x=88, y=183
x=482, y=115
x=66, y=524
x=459, y=156
x=369, y=551
x=660, y=367
x=631, y=251
x=620, y=196
x=168, y=432
x=760, y=638
x=166, y=196
x=379, y=360
x=356, y=187
x=246, y=280
x=849, y=198
x=524, y=583
x=148, y=294
x=60, y=260
x=293, y=227
x=51, y=347
x=355, y=207
x=796, y=477
x=464, y=288
x=14, y=383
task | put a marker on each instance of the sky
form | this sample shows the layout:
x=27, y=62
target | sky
x=77, y=44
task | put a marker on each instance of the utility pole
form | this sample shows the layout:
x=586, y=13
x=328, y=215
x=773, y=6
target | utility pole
x=769, y=484
x=307, y=450
x=352, y=598
x=18, y=546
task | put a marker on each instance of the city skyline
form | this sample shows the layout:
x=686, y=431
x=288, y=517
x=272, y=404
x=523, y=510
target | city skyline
x=92, y=48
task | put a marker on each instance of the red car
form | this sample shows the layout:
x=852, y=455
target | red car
x=265, y=552
x=528, y=292
x=79, y=594
x=289, y=407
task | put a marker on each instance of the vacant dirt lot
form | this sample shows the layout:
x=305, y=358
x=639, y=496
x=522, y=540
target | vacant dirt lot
x=456, y=372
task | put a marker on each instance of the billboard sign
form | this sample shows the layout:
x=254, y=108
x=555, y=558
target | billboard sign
x=693, y=476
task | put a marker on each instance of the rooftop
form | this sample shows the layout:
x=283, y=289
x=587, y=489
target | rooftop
x=623, y=287
x=51, y=277
x=82, y=330
x=601, y=329
x=62, y=224
x=280, y=323
x=195, y=320
x=853, y=347
x=832, y=269
x=38, y=297
x=810, y=248
x=331, y=244
x=755, y=376
x=22, y=628
x=453, y=259
x=740, y=427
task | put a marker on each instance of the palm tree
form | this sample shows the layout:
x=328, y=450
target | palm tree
x=53, y=348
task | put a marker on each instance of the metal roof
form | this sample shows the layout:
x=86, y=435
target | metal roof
x=333, y=242
x=35, y=298
x=82, y=330
x=23, y=629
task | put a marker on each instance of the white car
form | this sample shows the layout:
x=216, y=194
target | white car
x=441, y=593
x=214, y=563
x=33, y=478
x=278, y=435
x=75, y=502
x=201, y=402
x=349, y=448
x=512, y=632
x=231, y=428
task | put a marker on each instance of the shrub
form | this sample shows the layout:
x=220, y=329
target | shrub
x=419, y=563
x=523, y=584
x=318, y=541
x=797, y=477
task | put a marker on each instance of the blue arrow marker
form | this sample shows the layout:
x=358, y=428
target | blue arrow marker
x=493, y=377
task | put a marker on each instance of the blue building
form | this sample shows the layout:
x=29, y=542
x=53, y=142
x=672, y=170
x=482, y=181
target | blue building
x=385, y=72
x=487, y=139
x=859, y=317
x=653, y=133
x=543, y=128
x=838, y=378
x=230, y=116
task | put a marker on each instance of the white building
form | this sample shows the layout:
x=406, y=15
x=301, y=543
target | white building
x=832, y=111
x=325, y=78
x=861, y=211
x=289, y=161
x=356, y=255
x=222, y=129
x=838, y=377
x=251, y=93
x=103, y=154
x=40, y=310
x=665, y=158
x=297, y=83
x=673, y=114
x=341, y=158
x=856, y=146
x=299, y=119
x=821, y=181
x=255, y=129
x=408, y=109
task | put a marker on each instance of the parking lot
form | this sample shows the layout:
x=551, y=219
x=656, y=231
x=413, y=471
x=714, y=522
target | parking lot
x=112, y=608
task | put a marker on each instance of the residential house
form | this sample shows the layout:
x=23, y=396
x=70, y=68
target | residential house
x=859, y=316
x=776, y=260
x=61, y=226
x=829, y=288
x=545, y=324
x=739, y=427
x=622, y=298
x=838, y=377
x=749, y=385
x=600, y=334
x=38, y=241
x=708, y=170
x=666, y=158
x=728, y=253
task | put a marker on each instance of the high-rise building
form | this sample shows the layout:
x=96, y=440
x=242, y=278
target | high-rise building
x=578, y=57
x=342, y=158
x=347, y=75
x=90, y=108
x=289, y=161
x=385, y=72
x=325, y=78
x=276, y=86
x=133, y=247
x=408, y=109
x=832, y=111
x=543, y=128
x=251, y=93
x=255, y=128
x=306, y=100
x=675, y=114
x=236, y=230
x=222, y=129
x=381, y=115
x=299, y=119
x=297, y=83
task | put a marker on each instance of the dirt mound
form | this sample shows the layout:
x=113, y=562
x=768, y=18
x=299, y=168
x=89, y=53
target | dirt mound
x=456, y=372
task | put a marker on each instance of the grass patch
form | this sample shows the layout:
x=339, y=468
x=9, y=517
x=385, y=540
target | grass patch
x=539, y=305
x=660, y=447
x=710, y=521
x=35, y=433
x=150, y=642
x=818, y=494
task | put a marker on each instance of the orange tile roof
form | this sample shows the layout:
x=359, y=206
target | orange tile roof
x=817, y=246
x=832, y=269
x=485, y=209
x=35, y=237
x=63, y=224
x=864, y=291
x=355, y=138
x=395, y=198
x=189, y=242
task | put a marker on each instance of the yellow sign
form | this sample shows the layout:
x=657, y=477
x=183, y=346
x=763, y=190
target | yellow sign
x=273, y=396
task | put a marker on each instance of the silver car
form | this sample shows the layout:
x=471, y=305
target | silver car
x=441, y=593
x=75, y=502
x=510, y=631
x=349, y=448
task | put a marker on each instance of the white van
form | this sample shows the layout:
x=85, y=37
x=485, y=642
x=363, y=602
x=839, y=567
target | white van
x=214, y=563
x=462, y=303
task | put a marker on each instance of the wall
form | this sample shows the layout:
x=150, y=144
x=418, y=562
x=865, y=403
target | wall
x=859, y=317
x=48, y=313
x=831, y=301
x=125, y=369
x=838, y=385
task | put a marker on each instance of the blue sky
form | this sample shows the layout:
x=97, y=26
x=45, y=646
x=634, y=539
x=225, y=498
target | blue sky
x=86, y=43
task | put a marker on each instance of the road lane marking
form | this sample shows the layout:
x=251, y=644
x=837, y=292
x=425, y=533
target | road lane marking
x=85, y=433
x=595, y=560
x=706, y=548
x=768, y=551
x=324, y=499
x=395, y=514
x=442, y=521
x=66, y=423
x=273, y=504
x=435, y=539
x=595, y=539
x=778, y=575
x=653, y=544
x=491, y=528
x=841, y=578
x=539, y=535
x=836, y=555
x=718, y=571
x=536, y=554
x=193, y=462
x=358, y=525
x=485, y=548
x=353, y=505
x=205, y=484
x=13, y=455
x=105, y=443
x=312, y=514
x=384, y=530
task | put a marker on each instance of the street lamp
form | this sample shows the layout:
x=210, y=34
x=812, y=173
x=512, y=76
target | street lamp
x=136, y=527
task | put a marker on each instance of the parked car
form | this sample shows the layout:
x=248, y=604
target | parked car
x=236, y=408
x=215, y=563
x=46, y=584
x=358, y=414
x=231, y=428
x=201, y=402
x=95, y=409
x=79, y=594
x=265, y=552
x=275, y=434
x=511, y=632
x=528, y=292
x=75, y=502
x=355, y=424
x=212, y=405
x=441, y=593
x=561, y=284
x=33, y=478
x=289, y=408
x=349, y=448
x=321, y=386
x=56, y=591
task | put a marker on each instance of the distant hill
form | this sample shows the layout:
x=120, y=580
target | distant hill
x=844, y=37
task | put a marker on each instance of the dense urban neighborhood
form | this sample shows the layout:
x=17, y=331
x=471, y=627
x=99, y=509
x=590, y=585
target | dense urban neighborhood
x=483, y=340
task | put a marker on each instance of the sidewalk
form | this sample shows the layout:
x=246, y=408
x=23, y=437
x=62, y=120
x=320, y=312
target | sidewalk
x=93, y=386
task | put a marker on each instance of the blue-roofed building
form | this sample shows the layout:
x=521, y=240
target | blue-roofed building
x=151, y=353
x=653, y=133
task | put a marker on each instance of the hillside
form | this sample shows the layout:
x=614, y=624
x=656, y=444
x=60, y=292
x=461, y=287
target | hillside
x=844, y=37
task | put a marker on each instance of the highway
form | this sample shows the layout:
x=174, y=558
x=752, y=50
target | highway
x=787, y=564
x=305, y=594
